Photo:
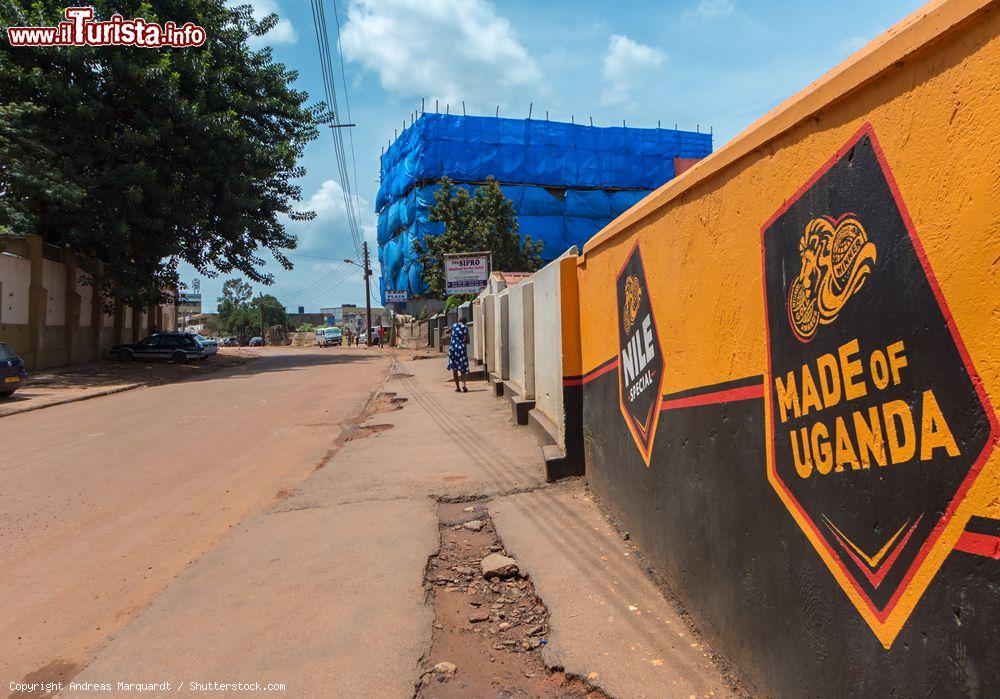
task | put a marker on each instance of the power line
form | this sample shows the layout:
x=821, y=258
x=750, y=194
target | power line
x=315, y=257
x=319, y=282
x=326, y=290
x=347, y=99
x=329, y=86
x=322, y=44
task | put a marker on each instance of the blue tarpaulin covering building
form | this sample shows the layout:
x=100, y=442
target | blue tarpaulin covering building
x=567, y=181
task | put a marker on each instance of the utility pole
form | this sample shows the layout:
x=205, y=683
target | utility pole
x=260, y=307
x=368, y=299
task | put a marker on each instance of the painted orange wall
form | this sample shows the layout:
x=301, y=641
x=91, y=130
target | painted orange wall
x=929, y=89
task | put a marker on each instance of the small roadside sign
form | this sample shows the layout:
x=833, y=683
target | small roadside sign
x=466, y=273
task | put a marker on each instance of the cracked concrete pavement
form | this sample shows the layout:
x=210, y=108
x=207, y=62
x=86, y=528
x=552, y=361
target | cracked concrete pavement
x=609, y=622
x=324, y=591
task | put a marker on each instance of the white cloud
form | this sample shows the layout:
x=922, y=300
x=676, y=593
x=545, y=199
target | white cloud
x=282, y=33
x=626, y=62
x=329, y=233
x=711, y=10
x=447, y=49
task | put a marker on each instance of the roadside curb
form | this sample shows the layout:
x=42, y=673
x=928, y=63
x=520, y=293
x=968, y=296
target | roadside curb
x=117, y=389
x=74, y=399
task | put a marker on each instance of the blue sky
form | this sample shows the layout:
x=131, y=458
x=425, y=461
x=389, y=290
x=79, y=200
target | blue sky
x=715, y=64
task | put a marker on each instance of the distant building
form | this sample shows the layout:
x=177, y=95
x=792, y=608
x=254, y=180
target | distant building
x=352, y=316
x=188, y=305
x=301, y=318
x=565, y=181
x=198, y=323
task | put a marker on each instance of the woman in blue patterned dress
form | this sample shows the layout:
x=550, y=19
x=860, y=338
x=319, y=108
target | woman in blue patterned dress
x=458, y=355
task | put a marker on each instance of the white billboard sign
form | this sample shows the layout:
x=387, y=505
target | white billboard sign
x=466, y=274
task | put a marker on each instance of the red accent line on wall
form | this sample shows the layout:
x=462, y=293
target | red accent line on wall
x=979, y=544
x=610, y=365
x=730, y=396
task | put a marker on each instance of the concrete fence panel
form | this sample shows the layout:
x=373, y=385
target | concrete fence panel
x=503, y=335
x=15, y=275
x=548, y=347
x=790, y=374
x=54, y=280
x=86, y=293
x=520, y=333
x=489, y=329
x=478, y=330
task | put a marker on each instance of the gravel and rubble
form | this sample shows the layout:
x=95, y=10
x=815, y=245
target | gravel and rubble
x=489, y=623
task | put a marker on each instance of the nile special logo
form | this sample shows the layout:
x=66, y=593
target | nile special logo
x=640, y=363
x=877, y=425
x=633, y=297
x=836, y=258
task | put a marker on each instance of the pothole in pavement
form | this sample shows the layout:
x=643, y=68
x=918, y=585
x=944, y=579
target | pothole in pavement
x=399, y=375
x=367, y=431
x=488, y=632
x=385, y=402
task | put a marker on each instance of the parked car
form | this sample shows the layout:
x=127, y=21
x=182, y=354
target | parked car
x=326, y=337
x=208, y=344
x=256, y=341
x=230, y=342
x=175, y=347
x=12, y=373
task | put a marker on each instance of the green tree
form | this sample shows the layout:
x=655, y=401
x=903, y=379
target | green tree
x=240, y=311
x=28, y=179
x=485, y=221
x=236, y=295
x=243, y=322
x=143, y=158
x=274, y=312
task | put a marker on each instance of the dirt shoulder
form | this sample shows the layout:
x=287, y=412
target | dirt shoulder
x=68, y=384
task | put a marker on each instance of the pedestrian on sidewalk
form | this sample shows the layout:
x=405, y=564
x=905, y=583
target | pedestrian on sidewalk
x=458, y=355
x=381, y=335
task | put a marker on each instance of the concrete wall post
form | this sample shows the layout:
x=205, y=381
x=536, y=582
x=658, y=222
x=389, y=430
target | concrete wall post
x=38, y=297
x=136, y=321
x=119, y=323
x=96, y=311
x=73, y=302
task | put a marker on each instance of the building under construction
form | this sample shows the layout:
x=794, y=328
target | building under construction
x=567, y=181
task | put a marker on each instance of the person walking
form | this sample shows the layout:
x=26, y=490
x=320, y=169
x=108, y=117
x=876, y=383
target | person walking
x=381, y=335
x=458, y=355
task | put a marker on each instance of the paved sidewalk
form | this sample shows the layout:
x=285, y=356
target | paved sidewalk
x=327, y=601
x=609, y=622
x=324, y=592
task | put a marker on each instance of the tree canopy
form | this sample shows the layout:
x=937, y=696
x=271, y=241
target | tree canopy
x=486, y=220
x=239, y=309
x=143, y=158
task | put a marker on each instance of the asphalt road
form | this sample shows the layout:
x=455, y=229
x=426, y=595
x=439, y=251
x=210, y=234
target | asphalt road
x=104, y=502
